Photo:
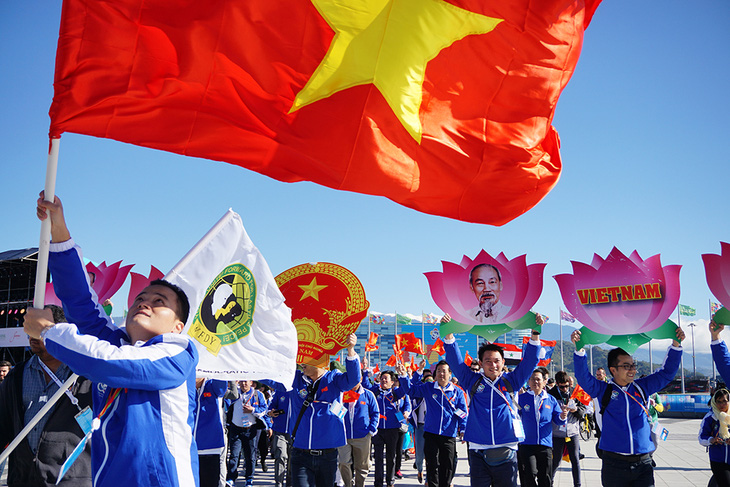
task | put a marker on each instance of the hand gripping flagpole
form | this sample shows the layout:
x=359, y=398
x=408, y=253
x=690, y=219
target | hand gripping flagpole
x=39, y=296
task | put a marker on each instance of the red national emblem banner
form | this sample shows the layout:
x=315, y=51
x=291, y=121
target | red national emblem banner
x=432, y=104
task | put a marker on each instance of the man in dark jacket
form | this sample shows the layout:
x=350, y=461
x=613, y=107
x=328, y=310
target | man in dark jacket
x=567, y=435
x=38, y=458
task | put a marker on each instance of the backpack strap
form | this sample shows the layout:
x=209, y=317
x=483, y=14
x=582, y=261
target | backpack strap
x=307, y=402
x=606, y=398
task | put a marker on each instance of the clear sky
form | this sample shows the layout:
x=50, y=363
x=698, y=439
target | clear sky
x=644, y=125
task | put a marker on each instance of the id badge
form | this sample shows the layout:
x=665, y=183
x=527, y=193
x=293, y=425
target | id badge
x=337, y=409
x=85, y=419
x=399, y=416
x=518, y=428
x=246, y=423
x=460, y=413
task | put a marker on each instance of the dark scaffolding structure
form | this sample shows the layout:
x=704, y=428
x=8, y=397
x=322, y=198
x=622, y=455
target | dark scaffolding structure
x=17, y=287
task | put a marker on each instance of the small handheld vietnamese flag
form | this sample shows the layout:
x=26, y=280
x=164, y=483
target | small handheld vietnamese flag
x=437, y=347
x=350, y=396
x=581, y=395
x=467, y=359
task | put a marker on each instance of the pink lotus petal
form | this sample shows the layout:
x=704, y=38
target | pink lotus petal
x=622, y=317
x=717, y=272
x=139, y=282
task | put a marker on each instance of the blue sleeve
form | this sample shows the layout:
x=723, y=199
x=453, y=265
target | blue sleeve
x=722, y=360
x=412, y=387
x=164, y=362
x=460, y=403
x=706, y=430
x=261, y=404
x=660, y=378
x=556, y=410
x=374, y=413
x=524, y=369
x=345, y=382
x=593, y=386
x=217, y=387
x=407, y=407
x=79, y=302
x=463, y=373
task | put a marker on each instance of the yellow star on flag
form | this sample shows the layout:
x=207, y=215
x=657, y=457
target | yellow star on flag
x=311, y=290
x=388, y=43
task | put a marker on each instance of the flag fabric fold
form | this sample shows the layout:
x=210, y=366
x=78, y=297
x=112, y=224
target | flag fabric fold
x=269, y=85
x=238, y=320
x=546, y=350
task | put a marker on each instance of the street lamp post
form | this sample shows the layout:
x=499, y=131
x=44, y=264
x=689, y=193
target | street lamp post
x=694, y=365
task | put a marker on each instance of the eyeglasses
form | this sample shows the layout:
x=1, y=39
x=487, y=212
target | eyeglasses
x=628, y=366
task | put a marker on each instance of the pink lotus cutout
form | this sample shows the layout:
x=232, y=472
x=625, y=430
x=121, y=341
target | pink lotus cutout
x=521, y=286
x=613, y=280
x=717, y=272
x=108, y=280
x=139, y=282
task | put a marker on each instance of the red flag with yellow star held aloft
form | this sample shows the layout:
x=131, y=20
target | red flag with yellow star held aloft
x=431, y=103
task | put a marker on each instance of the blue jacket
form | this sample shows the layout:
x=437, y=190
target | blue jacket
x=146, y=435
x=280, y=401
x=208, y=429
x=390, y=403
x=538, y=413
x=362, y=415
x=721, y=357
x=708, y=430
x=320, y=427
x=626, y=428
x=446, y=410
x=490, y=417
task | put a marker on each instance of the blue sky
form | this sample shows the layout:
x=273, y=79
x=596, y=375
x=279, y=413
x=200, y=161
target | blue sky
x=644, y=129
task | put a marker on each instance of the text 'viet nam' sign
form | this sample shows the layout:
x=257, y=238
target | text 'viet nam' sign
x=615, y=294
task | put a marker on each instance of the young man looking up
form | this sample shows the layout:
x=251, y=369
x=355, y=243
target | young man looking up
x=625, y=444
x=493, y=427
x=144, y=373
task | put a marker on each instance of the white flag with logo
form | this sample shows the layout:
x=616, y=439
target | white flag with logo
x=238, y=319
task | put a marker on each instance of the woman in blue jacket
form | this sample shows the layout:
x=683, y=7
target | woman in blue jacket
x=538, y=411
x=717, y=439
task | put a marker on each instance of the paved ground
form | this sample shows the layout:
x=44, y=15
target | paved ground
x=681, y=462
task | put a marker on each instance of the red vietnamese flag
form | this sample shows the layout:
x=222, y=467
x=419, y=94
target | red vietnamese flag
x=371, y=345
x=350, y=396
x=408, y=342
x=391, y=361
x=437, y=347
x=467, y=359
x=431, y=104
x=581, y=395
x=376, y=369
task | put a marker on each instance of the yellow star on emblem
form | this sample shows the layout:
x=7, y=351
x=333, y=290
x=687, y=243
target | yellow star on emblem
x=311, y=290
x=388, y=43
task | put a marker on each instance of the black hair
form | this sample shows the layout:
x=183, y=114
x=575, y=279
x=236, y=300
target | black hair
x=58, y=315
x=183, y=310
x=489, y=347
x=543, y=371
x=5, y=363
x=613, y=356
x=392, y=374
x=440, y=363
x=561, y=377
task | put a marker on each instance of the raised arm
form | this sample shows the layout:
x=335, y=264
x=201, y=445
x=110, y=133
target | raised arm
x=163, y=363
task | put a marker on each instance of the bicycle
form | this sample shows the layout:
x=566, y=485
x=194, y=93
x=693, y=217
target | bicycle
x=586, y=429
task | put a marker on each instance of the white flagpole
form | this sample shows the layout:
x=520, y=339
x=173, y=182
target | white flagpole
x=39, y=295
x=561, y=338
x=679, y=319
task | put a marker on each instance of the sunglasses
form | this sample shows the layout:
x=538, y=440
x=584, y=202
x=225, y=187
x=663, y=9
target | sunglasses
x=563, y=386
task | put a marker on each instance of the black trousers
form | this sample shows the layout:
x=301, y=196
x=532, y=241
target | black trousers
x=721, y=472
x=385, y=446
x=440, y=453
x=620, y=473
x=573, y=453
x=535, y=465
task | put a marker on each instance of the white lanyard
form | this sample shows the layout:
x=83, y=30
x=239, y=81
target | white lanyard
x=71, y=397
x=489, y=382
